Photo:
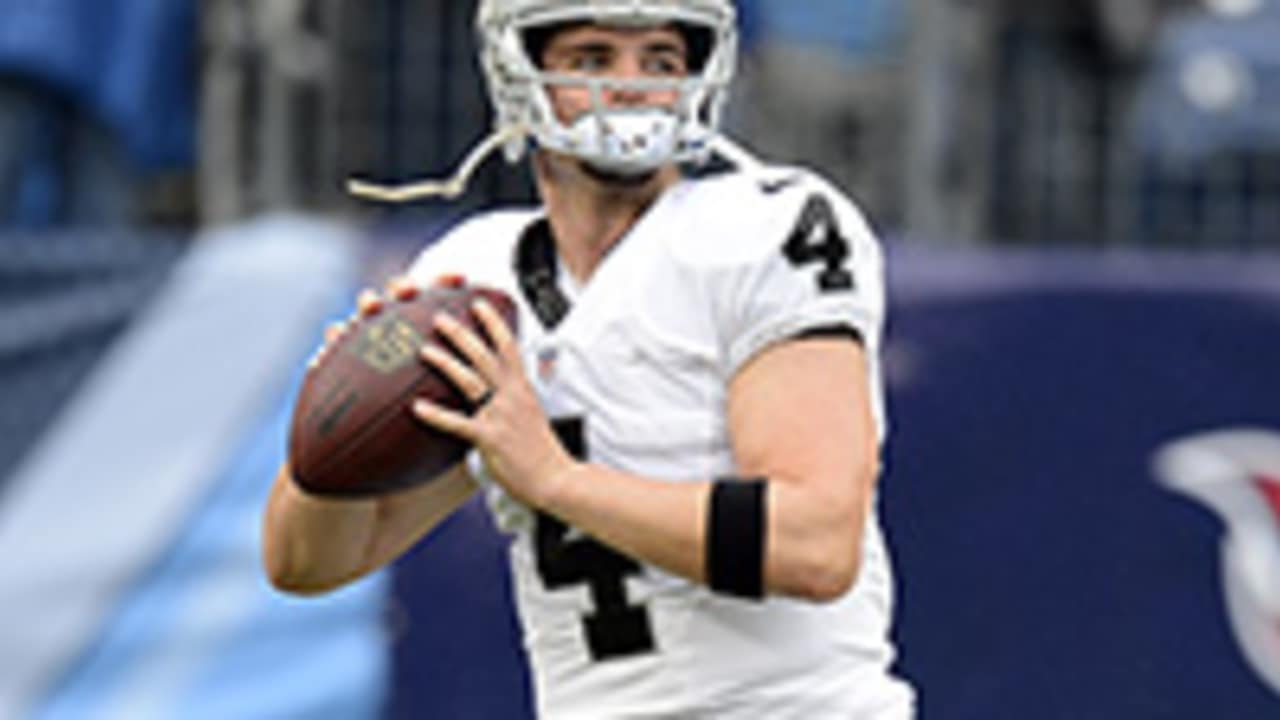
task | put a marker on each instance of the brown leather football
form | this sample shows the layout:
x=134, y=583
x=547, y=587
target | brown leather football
x=354, y=432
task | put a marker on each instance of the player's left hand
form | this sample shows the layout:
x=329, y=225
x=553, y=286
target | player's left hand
x=508, y=425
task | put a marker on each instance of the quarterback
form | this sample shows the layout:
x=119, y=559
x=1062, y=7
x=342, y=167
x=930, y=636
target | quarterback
x=683, y=441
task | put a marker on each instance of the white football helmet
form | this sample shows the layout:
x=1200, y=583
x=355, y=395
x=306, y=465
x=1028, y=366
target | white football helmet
x=627, y=141
x=624, y=141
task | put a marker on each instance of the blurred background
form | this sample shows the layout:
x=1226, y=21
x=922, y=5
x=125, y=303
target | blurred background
x=1081, y=204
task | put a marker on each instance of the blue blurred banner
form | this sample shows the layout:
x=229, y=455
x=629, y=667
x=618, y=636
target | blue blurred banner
x=1045, y=572
x=152, y=382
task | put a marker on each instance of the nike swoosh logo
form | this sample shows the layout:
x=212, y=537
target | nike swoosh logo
x=772, y=187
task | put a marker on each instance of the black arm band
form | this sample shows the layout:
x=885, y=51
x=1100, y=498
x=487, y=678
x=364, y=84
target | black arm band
x=736, y=533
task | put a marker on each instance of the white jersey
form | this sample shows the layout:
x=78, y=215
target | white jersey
x=635, y=377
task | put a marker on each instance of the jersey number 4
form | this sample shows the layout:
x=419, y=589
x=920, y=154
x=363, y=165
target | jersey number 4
x=817, y=240
x=615, y=628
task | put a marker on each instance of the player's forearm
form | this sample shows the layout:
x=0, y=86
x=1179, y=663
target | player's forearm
x=310, y=544
x=814, y=539
x=812, y=542
x=657, y=521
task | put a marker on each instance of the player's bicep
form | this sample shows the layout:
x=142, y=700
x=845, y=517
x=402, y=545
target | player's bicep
x=800, y=416
x=801, y=412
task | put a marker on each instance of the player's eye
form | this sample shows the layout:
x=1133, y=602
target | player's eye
x=588, y=62
x=666, y=65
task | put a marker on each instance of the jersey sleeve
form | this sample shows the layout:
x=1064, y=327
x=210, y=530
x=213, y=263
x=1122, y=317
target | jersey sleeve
x=444, y=256
x=811, y=263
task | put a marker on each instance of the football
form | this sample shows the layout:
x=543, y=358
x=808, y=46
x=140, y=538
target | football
x=353, y=431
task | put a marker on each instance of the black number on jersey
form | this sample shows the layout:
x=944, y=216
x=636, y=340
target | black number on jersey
x=616, y=628
x=817, y=239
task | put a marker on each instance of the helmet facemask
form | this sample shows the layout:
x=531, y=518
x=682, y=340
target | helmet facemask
x=625, y=141
x=614, y=142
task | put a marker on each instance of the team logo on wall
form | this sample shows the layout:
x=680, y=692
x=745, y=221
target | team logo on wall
x=1237, y=474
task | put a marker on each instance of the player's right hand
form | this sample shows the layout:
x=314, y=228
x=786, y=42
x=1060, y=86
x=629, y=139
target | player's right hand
x=369, y=302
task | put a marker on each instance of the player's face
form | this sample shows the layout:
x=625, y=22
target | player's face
x=622, y=53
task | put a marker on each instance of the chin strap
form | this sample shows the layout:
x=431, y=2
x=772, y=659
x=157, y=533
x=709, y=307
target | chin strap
x=457, y=184
x=448, y=189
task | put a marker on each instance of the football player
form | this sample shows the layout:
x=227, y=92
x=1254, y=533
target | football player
x=684, y=438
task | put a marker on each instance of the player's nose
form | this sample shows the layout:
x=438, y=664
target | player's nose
x=628, y=67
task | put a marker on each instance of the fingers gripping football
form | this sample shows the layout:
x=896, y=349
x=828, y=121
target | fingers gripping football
x=480, y=371
x=488, y=365
x=353, y=432
x=473, y=386
x=368, y=303
x=509, y=428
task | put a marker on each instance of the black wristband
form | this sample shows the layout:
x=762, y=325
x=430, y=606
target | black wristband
x=736, y=530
